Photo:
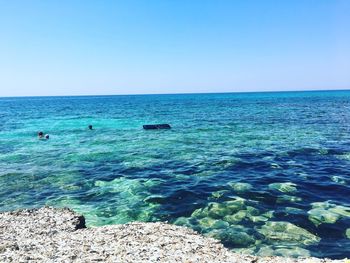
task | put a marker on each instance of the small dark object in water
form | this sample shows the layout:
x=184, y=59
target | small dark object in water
x=90, y=127
x=47, y=136
x=156, y=126
x=40, y=134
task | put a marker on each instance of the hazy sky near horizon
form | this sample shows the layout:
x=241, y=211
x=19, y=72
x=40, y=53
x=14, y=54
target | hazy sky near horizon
x=72, y=47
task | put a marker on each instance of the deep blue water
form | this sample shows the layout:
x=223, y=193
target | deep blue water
x=267, y=173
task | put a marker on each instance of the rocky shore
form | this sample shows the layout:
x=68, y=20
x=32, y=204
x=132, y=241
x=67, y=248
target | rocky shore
x=59, y=235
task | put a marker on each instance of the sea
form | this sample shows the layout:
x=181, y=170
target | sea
x=265, y=173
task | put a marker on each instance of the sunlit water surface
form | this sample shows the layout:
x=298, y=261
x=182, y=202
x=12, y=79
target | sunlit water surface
x=266, y=173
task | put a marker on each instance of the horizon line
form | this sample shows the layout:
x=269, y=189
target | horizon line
x=179, y=93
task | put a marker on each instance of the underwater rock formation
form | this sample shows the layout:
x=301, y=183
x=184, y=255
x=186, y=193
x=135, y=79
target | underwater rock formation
x=327, y=213
x=285, y=232
x=283, y=187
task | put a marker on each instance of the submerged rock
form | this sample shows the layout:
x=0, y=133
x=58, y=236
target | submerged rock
x=236, y=217
x=268, y=214
x=219, y=194
x=287, y=232
x=141, y=205
x=347, y=233
x=235, y=235
x=293, y=210
x=327, y=213
x=288, y=198
x=154, y=199
x=220, y=210
x=345, y=156
x=338, y=179
x=275, y=165
x=252, y=211
x=233, y=211
x=257, y=219
x=320, y=216
x=265, y=251
x=340, y=210
x=283, y=187
x=235, y=205
x=200, y=213
x=241, y=187
x=295, y=252
x=217, y=210
x=209, y=223
x=183, y=221
x=292, y=252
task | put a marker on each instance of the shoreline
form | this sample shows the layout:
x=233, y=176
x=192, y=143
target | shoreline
x=60, y=235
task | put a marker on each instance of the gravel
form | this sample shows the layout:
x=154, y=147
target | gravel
x=59, y=235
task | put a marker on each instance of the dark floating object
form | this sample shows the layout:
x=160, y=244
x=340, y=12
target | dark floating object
x=156, y=126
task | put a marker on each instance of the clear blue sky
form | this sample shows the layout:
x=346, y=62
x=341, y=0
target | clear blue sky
x=71, y=47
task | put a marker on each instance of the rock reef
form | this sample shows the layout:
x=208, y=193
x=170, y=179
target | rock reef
x=59, y=235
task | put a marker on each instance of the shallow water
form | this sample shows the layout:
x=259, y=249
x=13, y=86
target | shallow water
x=267, y=173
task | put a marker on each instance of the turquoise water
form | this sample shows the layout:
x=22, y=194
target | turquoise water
x=266, y=173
